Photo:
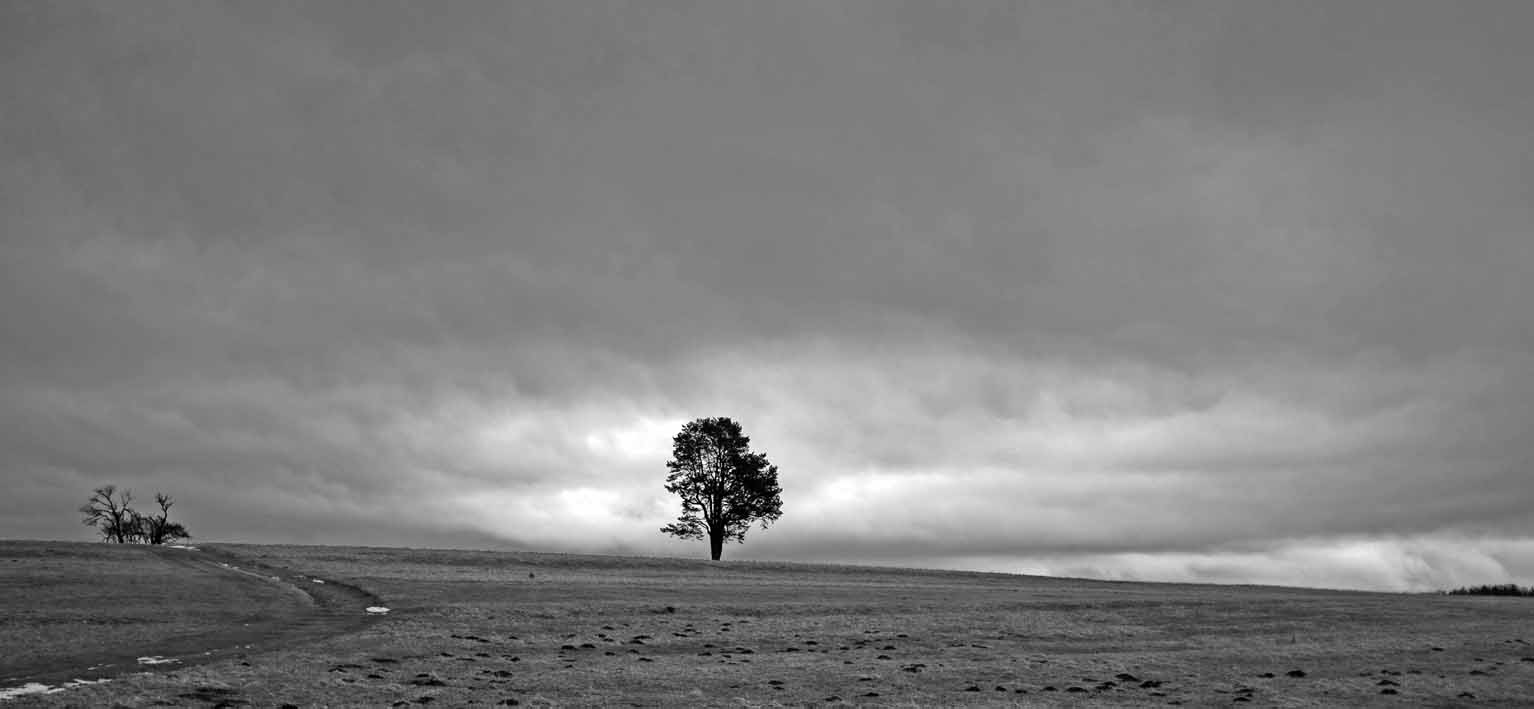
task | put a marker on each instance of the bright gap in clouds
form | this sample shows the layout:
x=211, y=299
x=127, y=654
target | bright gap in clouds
x=1107, y=471
x=641, y=440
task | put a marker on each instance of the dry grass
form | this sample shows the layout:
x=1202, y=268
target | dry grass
x=479, y=628
x=67, y=600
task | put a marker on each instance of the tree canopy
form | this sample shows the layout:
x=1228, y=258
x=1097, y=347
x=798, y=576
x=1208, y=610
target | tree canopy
x=724, y=486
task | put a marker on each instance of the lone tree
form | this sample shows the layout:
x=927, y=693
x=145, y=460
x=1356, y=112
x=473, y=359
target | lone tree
x=723, y=485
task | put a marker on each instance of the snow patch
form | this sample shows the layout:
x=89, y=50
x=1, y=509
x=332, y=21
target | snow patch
x=377, y=610
x=40, y=688
x=77, y=683
x=156, y=660
x=319, y=581
x=187, y=547
x=23, y=690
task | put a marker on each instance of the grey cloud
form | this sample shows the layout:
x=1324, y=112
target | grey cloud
x=1027, y=280
x=1271, y=464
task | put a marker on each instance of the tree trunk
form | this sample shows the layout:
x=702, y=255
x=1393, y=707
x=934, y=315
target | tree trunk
x=715, y=543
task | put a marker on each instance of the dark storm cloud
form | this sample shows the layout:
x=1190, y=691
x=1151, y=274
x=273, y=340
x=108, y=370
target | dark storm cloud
x=1168, y=291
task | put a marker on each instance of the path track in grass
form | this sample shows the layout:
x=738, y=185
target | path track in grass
x=311, y=609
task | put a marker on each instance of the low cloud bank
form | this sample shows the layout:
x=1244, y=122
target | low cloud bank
x=1412, y=564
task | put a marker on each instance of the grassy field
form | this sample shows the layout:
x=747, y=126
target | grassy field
x=98, y=603
x=525, y=629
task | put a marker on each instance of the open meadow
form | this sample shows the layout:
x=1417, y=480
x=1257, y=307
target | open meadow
x=272, y=626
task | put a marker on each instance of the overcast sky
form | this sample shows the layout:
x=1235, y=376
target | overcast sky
x=1216, y=291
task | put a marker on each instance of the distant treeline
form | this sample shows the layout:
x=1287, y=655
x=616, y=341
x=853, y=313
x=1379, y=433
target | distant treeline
x=1503, y=589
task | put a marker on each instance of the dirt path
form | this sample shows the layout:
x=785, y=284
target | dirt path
x=320, y=608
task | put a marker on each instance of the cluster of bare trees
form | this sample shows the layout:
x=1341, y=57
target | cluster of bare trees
x=1504, y=589
x=113, y=516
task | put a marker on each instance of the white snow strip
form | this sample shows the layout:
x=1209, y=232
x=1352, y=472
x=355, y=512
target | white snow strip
x=377, y=610
x=39, y=688
x=156, y=660
x=77, y=682
x=187, y=547
x=319, y=581
x=23, y=690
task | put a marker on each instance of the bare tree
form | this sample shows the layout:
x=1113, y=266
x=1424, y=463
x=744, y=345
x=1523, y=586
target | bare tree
x=111, y=514
x=158, y=529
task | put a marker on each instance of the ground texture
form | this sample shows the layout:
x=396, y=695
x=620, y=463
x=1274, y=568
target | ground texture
x=522, y=629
